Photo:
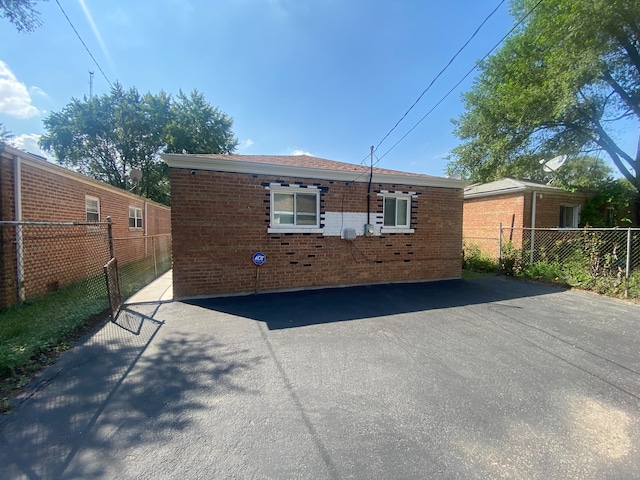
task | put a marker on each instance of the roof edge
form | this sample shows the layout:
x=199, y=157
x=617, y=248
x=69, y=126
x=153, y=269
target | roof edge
x=493, y=193
x=242, y=166
x=42, y=163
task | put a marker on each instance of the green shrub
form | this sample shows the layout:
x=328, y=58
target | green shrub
x=634, y=284
x=543, y=271
x=511, y=261
x=473, y=259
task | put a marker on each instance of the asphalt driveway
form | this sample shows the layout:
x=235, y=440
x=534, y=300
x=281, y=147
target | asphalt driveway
x=483, y=378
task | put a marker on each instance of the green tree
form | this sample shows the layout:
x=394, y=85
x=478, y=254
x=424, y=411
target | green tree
x=107, y=136
x=581, y=173
x=565, y=82
x=197, y=127
x=21, y=13
x=5, y=134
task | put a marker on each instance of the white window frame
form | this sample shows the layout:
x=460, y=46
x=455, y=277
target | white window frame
x=88, y=198
x=575, y=220
x=136, y=219
x=292, y=228
x=397, y=228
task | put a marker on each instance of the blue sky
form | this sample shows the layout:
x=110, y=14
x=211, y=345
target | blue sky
x=325, y=77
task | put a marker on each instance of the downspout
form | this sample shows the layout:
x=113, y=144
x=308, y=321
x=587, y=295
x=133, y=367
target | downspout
x=369, y=190
x=17, y=201
x=146, y=232
x=533, y=225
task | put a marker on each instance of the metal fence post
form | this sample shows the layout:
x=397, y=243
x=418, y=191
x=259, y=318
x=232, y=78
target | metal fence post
x=627, y=272
x=533, y=245
x=110, y=236
x=500, y=248
x=155, y=260
x=20, y=281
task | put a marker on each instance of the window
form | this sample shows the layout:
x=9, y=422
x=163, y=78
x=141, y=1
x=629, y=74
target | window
x=569, y=216
x=295, y=209
x=135, y=217
x=92, y=205
x=397, y=211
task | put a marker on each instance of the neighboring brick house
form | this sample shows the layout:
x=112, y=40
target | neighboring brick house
x=309, y=217
x=518, y=204
x=50, y=193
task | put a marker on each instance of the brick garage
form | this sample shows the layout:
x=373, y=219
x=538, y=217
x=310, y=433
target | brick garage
x=223, y=211
x=510, y=202
x=50, y=193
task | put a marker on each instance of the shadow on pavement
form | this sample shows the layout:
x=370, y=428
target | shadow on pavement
x=92, y=399
x=311, y=307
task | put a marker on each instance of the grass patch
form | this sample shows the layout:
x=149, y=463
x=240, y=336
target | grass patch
x=469, y=274
x=34, y=333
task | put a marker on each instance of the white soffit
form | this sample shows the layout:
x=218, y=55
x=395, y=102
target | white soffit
x=195, y=162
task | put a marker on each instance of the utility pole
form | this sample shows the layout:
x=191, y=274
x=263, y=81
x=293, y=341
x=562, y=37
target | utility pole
x=90, y=84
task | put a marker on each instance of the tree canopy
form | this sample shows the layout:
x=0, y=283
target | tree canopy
x=107, y=136
x=567, y=81
x=4, y=133
x=21, y=13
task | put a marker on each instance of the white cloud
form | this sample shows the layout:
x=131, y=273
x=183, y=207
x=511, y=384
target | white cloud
x=29, y=143
x=38, y=91
x=301, y=152
x=246, y=144
x=15, y=99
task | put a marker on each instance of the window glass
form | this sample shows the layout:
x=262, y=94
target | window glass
x=294, y=208
x=135, y=217
x=401, y=206
x=92, y=209
x=568, y=217
x=396, y=211
x=283, y=208
x=390, y=212
x=306, y=209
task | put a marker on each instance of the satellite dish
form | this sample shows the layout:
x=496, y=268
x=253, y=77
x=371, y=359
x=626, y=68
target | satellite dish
x=135, y=175
x=554, y=164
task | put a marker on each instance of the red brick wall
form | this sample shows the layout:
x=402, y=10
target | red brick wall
x=52, y=195
x=483, y=215
x=548, y=207
x=482, y=218
x=219, y=220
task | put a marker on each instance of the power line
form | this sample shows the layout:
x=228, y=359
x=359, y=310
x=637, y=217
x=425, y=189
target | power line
x=441, y=72
x=461, y=80
x=84, y=44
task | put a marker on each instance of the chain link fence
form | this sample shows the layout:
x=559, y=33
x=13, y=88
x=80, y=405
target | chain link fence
x=141, y=260
x=606, y=260
x=63, y=263
x=65, y=259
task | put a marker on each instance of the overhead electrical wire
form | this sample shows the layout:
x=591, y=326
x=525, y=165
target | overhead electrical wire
x=84, y=44
x=441, y=72
x=378, y=159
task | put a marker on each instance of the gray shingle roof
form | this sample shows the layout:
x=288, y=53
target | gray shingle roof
x=508, y=185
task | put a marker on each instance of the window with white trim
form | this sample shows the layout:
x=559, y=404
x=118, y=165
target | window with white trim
x=135, y=217
x=295, y=208
x=569, y=216
x=397, y=211
x=92, y=207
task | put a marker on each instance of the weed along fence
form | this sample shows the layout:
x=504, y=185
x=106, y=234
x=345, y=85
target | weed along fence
x=62, y=264
x=606, y=260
